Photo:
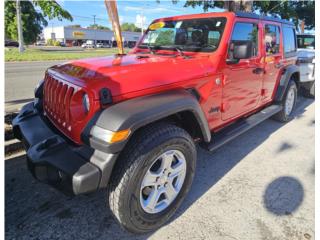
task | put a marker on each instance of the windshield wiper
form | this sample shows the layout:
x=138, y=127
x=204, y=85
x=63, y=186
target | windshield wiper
x=179, y=50
x=155, y=47
x=150, y=48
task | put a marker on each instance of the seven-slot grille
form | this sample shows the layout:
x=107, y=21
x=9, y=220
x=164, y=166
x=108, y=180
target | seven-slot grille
x=57, y=98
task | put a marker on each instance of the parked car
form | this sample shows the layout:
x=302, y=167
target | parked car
x=131, y=123
x=11, y=43
x=63, y=44
x=40, y=43
x=88, y=44
x=102, y=45
x=306, y=63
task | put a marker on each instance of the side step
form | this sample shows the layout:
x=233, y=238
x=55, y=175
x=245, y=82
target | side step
x=229, y=133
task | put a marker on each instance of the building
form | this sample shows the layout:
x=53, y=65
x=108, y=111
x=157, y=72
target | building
x=72, y=36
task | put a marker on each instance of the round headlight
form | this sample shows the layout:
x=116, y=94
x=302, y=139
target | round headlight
x=86, y=102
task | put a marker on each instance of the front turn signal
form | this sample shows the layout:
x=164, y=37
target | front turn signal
x=120, y=136
x=109, y=136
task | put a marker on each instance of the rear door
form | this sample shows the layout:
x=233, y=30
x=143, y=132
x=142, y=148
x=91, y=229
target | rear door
x=272, y=52
x=243, y=80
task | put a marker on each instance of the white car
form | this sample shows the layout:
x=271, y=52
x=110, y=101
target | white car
x=88, y=44
x=102, y=45
x=40, y=43
x=306, y=62
x=99, y=45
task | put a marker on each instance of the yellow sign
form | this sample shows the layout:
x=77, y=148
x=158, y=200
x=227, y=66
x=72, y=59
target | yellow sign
x=157, y=25
x=78, y=34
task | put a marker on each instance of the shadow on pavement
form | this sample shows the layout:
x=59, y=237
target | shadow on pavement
x=283, y=195
x=36, y=211
x=211, y=167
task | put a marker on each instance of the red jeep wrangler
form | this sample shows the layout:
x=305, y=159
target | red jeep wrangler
x=130, y=123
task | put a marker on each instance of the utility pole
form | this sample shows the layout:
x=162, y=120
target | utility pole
x=142, y=18
x=94, y=29
x=19, y=23
x=141, y=22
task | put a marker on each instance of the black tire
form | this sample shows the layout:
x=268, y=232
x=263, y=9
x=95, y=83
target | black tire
x=128, y=173
x=308, y=90
x=282, y=116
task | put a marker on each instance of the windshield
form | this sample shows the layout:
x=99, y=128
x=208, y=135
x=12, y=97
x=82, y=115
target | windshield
x=306, y=41
x=194, y=35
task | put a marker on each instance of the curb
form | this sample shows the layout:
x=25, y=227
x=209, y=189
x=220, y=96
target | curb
x=15, y=155
x=13, y=145
x=8, y=132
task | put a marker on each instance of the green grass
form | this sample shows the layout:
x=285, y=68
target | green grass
x=32, y=54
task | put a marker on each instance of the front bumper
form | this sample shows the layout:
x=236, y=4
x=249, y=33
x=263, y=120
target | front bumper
x=54, y=160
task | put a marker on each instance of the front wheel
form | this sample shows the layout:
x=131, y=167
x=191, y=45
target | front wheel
x=152, y=177
x=288, y=103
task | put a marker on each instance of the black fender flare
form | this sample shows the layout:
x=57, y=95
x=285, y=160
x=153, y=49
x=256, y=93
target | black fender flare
x=286, y=75
x=138, y=112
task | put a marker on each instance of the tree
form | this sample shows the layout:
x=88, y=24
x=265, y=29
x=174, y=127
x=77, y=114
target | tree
x=33, y=21
x=295, y=10
x=236, y=5
x=130, y=27
x=305, y=11
x=97, y=26
x=291, y=10
x=165, y=37
x=74, y=26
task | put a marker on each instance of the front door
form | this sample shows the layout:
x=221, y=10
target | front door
x=243, y=78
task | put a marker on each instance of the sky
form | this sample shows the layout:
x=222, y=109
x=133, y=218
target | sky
x=129, y=11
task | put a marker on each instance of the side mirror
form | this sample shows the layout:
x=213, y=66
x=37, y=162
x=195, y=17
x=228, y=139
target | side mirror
x=239, y=51
x=242, y=51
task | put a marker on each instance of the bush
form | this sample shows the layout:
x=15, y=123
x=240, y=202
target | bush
x=56, y=43
x=51, y=42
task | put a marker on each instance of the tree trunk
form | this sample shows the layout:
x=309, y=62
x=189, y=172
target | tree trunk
x=247, y=5
x=302, y=26
x=238, y=5
x=19, y=23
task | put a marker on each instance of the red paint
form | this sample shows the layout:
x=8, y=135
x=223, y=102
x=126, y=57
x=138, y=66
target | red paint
x=239, y=92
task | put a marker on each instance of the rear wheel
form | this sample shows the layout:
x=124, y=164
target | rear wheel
x=152, y=176
x=288, y=103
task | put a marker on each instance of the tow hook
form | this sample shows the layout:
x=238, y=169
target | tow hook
x=47, y=143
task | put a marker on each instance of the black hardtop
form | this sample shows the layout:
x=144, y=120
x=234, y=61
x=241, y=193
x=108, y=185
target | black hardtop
x=262, y=17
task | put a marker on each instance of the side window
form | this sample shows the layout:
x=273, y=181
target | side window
x=245, y=34
x=272, y=39
x=289, y=40
x=213, y=38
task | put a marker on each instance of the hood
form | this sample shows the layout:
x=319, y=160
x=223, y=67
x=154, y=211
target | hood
x=131, y=73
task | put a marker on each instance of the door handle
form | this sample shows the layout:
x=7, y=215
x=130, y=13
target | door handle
x=258, y=70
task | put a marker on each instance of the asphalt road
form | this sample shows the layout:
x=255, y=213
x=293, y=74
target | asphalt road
x=20, y=80
x=259, y=186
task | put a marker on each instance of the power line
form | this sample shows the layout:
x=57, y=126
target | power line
x=277, y=5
